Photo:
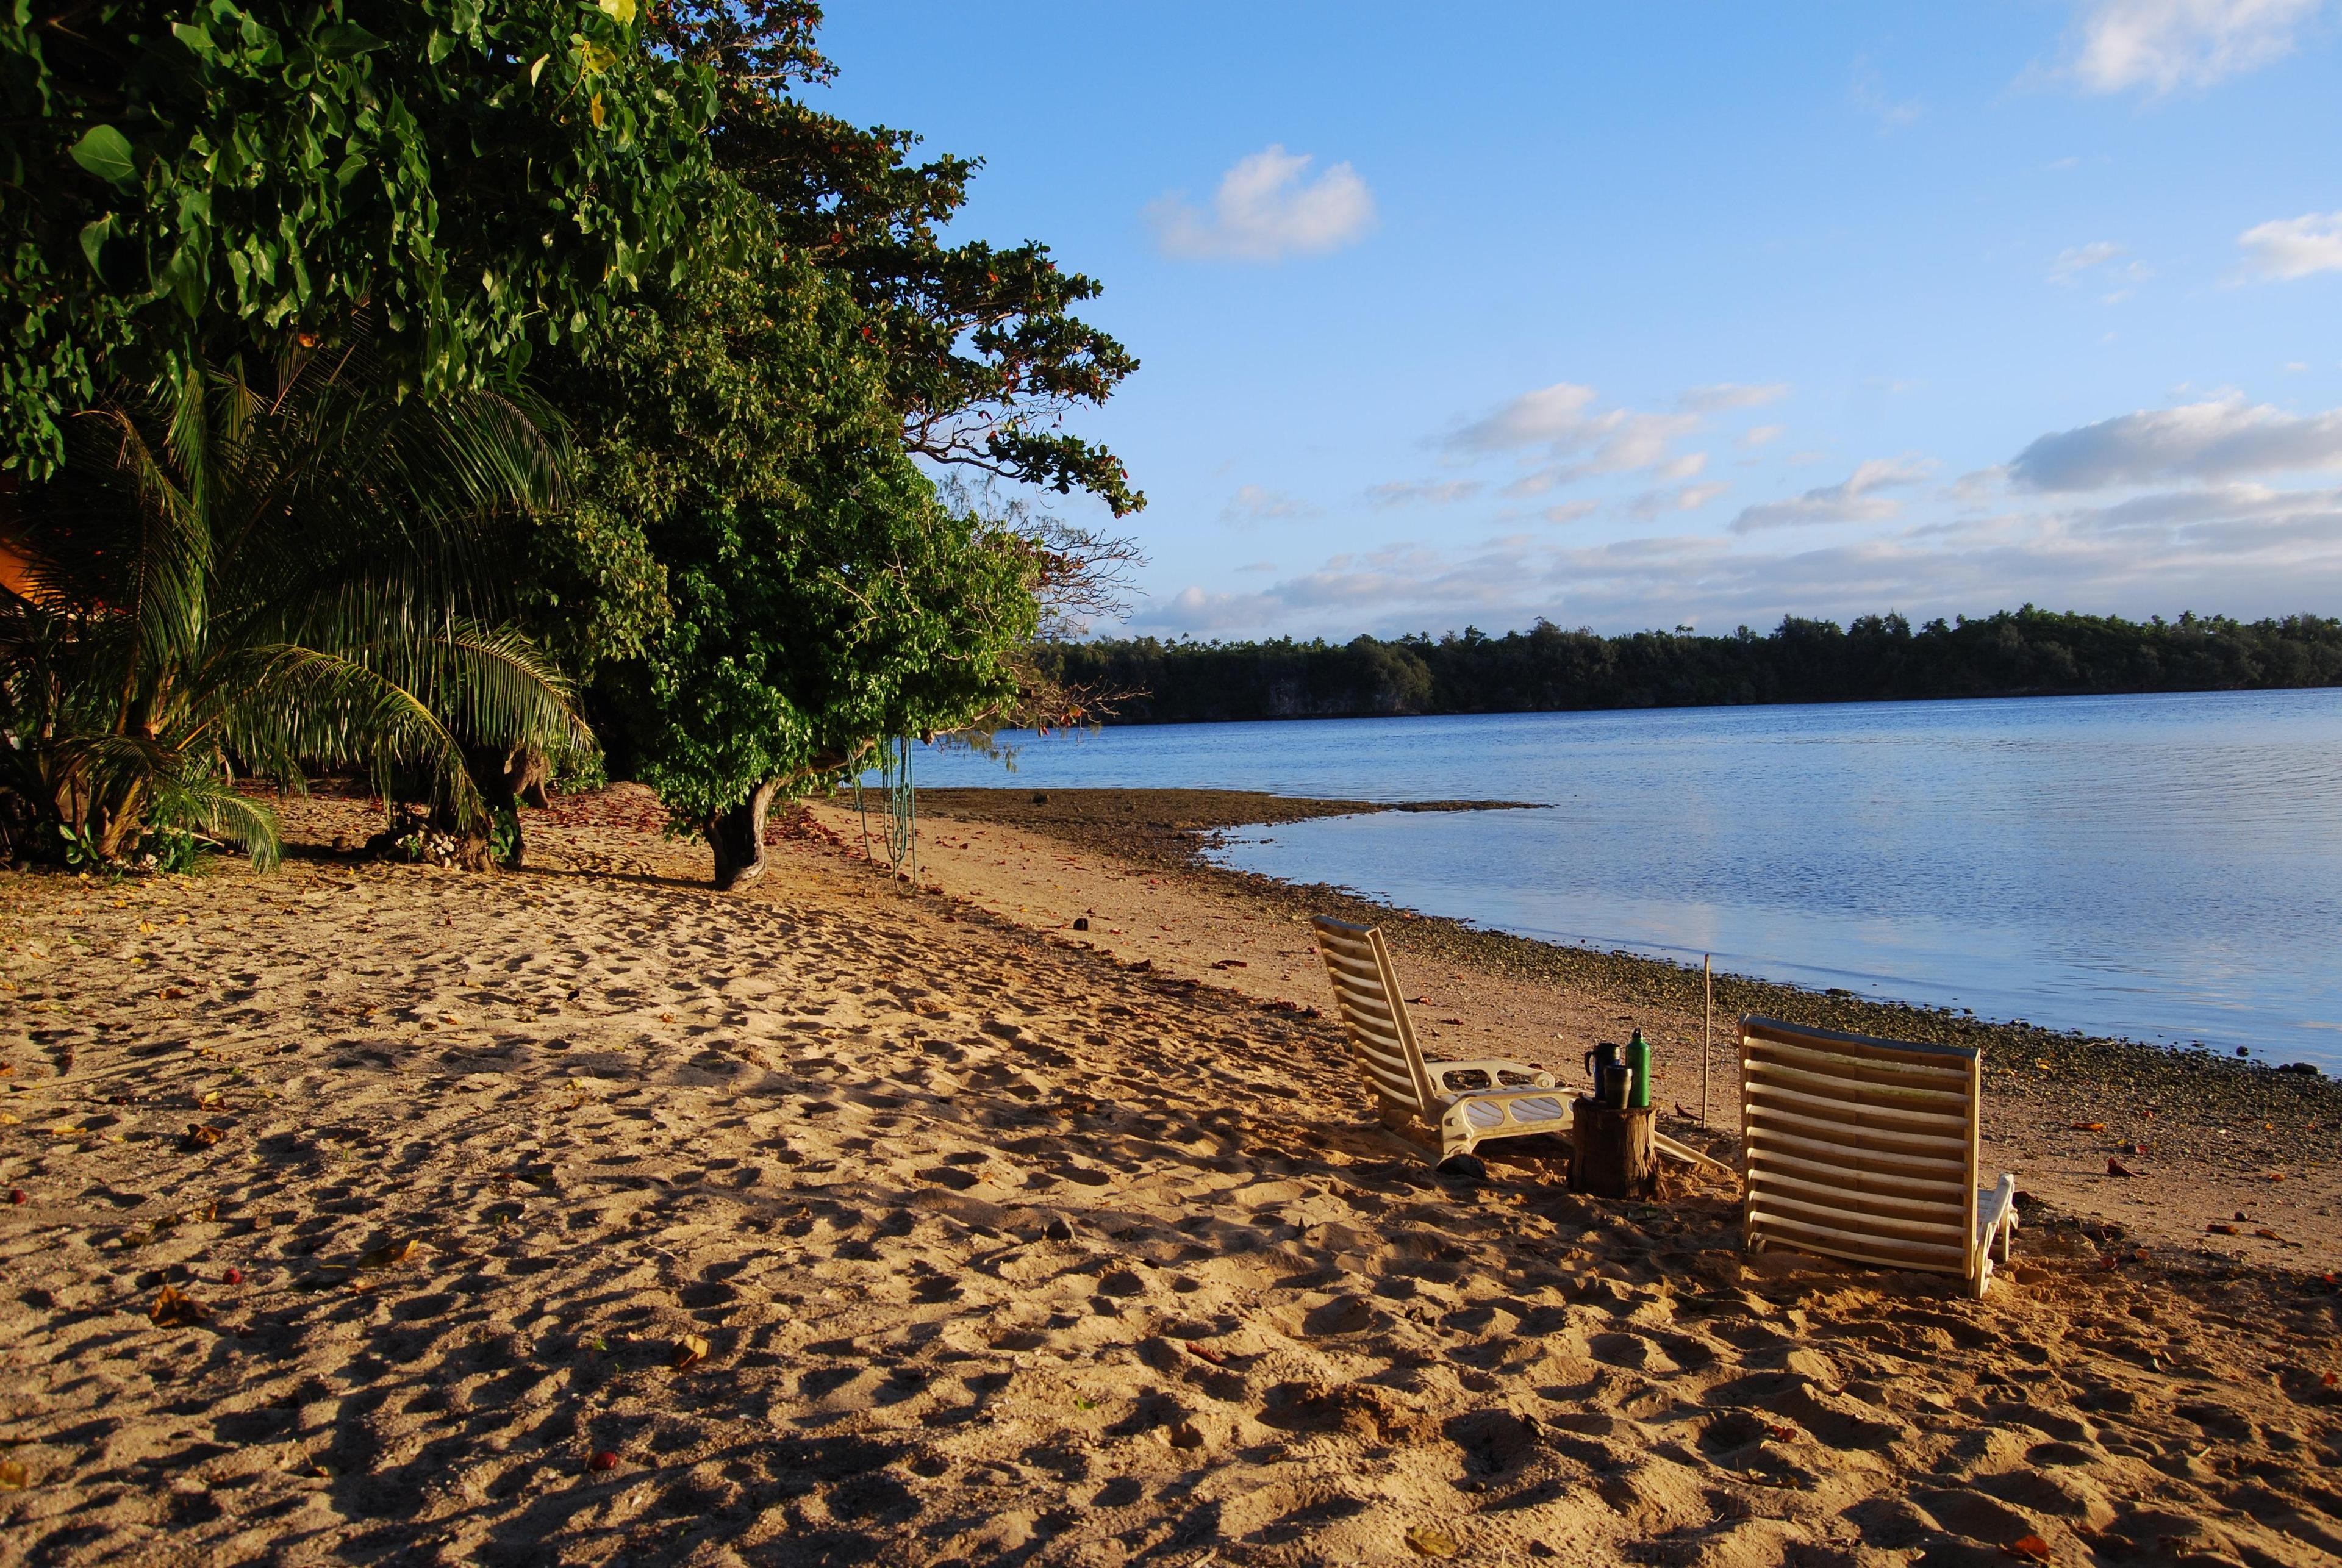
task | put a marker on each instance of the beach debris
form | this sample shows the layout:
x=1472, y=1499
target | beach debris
x=603, y=1460
x=387, y=1255
x=234, y=1276
x=1230, y=964
x=201, y=1137
x=1202, y=1352
x=2090, y=1126
x=2329, y=1380
x=13, y=1476
x=1430, y=1540
x=1081, y=923
x=1779, y=1433
x=174, y=1308
x=2027, y=1548
x=211, y=1098
x=19, y=1195
x=690, y=1352
x=2117, y=1168
x=2220, y=1228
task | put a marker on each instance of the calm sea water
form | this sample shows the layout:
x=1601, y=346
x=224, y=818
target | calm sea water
x=2167, y=868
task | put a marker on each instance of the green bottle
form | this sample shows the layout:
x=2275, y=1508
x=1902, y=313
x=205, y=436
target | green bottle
x=1639, y=1060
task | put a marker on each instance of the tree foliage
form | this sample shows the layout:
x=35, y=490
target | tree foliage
x=983, y=354
x=818, y=594
x=231, y=578
x=2018, y=652
x=191, y=180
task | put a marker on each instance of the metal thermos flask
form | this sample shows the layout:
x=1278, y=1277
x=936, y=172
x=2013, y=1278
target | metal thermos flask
x=1639, y=1061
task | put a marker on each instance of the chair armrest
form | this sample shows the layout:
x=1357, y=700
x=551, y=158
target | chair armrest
x=1996, y=1206
x=1495, y=1067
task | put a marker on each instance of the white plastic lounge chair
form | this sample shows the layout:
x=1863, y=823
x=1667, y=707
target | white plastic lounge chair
x=1866, y=1149
x=1365, y=989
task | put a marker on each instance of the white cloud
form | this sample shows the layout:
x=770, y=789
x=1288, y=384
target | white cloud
x=2223, y=439
x=1250, y=567
x=1654, y=504
x=1254, y=504
x=1265, y=209
x=1727, y=394
x=1761, y=436
x=2069, y=264
x=2165, y=45
x=1571, y=511
x=2295, y=248
x=2242, y=550
x=1867, y=93
x=1854, y=499
x=1426, y=492
x=1557, y=419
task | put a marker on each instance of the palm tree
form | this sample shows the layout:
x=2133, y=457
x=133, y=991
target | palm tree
x=231, y=578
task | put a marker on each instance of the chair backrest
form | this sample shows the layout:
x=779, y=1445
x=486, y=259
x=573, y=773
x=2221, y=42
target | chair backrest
x=1365, y=989
x=1860, y=1148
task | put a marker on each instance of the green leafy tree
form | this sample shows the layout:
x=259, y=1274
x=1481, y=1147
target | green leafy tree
x=236, y=578
x=820, y=595
x=983, y=354
x=187, y=181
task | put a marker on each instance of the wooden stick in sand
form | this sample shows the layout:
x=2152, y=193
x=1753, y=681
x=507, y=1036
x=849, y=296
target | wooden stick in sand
x=1707, y=1031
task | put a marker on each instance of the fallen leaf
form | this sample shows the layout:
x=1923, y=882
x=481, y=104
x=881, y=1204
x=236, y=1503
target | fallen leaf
x=2032, y=1548
x=173, y=993
x=1206, y=1353
x=174, y=1308
x=212, y=1097
x=2041, y=1063
x=1429, y=1541
x=2219, y=1228
x=13, y=1476
x=2117, y=1168
x=66, y=1130
x=690, y=1352
x=2328, y=1380
x=386, y=1254
x=2090, y=1126
x=605, y=1460
x=2267, y=1235
x=200, y=1136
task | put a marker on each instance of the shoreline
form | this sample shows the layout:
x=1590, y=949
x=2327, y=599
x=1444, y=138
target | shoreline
x=1174, y=829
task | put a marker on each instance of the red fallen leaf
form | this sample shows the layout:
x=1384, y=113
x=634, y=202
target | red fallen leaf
x=1780, y=1434
x=19, y=1195
x=2032, y=1548
x=234, y=1276
x=2090, y=1126
x=2117, y=1168
x=1206, y=1353
x=603, y=1460
x=2327, y=1380
x=2218, y=1228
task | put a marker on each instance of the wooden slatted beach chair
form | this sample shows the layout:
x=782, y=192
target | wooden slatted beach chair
x=1408, y=1087
x=1867, y=1150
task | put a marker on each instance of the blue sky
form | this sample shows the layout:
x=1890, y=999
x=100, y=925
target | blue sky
x=1647, y=315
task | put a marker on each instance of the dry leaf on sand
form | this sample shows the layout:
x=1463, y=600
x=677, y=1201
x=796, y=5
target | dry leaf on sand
x=387, y=1255
x=1430, y=1540
x=13, y=1476
x=200, y=1136
x=690, y=1352
x=174, y=1308
x=2028, y=1548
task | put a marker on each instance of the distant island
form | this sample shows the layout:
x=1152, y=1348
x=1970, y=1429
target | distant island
x=2018, y=653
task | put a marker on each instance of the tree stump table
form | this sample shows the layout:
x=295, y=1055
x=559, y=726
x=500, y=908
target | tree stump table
x=1611, y=1151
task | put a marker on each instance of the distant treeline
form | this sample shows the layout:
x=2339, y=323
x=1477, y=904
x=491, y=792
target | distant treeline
x=2017, y=652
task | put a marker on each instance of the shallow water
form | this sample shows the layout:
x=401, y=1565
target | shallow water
x=2165, y=867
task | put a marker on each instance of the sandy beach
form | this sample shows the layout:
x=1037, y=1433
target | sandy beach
x=580, y=1215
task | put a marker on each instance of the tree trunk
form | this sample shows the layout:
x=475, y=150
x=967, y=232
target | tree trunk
x=1612, y=1154
x=508, y=779
x=736, y=835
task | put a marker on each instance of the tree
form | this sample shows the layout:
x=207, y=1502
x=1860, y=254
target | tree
x=230, y=578
x=820, y=594
x=984, y=358
x=190, y=181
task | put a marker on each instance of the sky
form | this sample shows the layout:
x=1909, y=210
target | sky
x=1631, y=317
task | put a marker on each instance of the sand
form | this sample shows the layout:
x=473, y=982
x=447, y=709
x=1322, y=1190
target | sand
x=998, y=1251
